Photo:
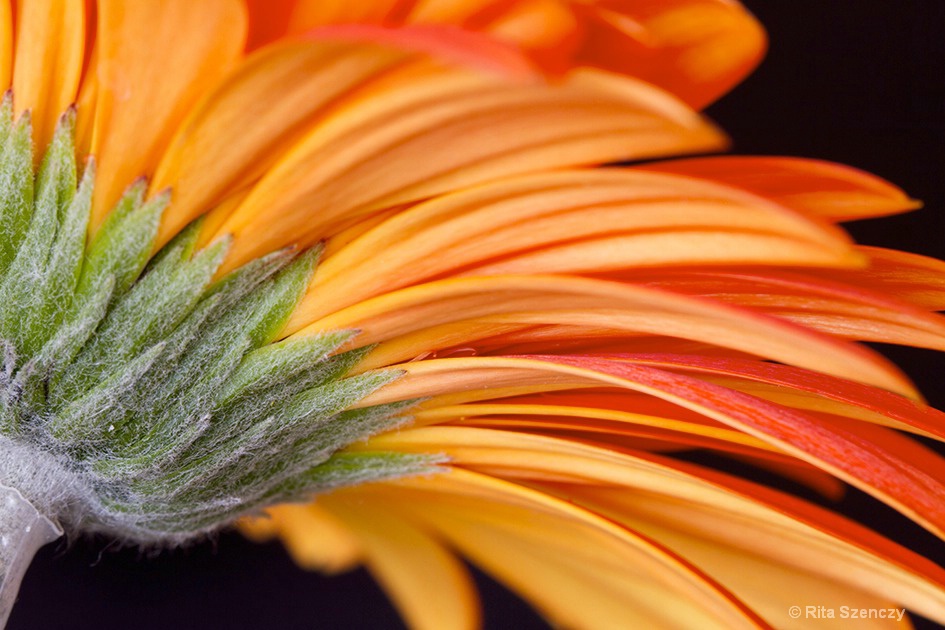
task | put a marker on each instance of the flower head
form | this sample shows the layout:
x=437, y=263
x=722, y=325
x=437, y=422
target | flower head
x=366, y=252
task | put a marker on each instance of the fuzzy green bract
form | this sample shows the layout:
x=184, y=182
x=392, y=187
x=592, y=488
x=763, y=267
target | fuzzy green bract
x=139, y=396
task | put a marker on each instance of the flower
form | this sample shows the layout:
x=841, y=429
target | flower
x=695, y=49
x=556, y=333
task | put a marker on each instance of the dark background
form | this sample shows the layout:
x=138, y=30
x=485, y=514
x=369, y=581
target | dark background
x=855, y=81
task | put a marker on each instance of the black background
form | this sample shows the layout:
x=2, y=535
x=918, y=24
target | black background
x=855, y=81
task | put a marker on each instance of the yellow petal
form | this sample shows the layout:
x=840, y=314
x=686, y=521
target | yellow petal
x=50, y=50
x=580, y=418
x=782, y=585
x=626, y=487
x=155, y=58
x=314, y=537
x=85, y=106
x=429, y=585
x=579, y=570
x=912, y=487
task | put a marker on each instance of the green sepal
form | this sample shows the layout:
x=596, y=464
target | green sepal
x=151, y=310
x=350, y=468
x=16, y=181
x=272, y=364
x=87, y=418
x=124, y=242
x=36, y=283
x=275, y=303
x=162, y=393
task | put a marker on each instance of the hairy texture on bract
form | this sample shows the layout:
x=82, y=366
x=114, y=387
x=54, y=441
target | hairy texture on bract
x=139, y=396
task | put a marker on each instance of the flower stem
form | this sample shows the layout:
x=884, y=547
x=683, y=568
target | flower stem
x=23, y=530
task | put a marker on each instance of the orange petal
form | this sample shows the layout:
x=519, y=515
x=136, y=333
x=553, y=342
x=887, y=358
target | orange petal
x=696, y=49
x=825, y=189
x=683, y=247
x=50, y=50
x=142, y=96
x=450, y=44
x=543, y=28
x=911, y=277
x=598, y=304
x=308, y=14
x=903, y=485
x=448, y=130
x=838, y=308
x=268, y=21
x=549, y=30
x=809, y=390
x=527, y=214
x=6, y=45
x=206, y=160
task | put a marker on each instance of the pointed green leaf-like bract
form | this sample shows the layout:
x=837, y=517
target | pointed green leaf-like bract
x=154, y=401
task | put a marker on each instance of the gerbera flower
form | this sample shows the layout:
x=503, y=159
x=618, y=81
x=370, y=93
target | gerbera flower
x=368, y=258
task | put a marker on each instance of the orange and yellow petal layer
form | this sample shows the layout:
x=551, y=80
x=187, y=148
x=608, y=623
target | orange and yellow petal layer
x=566, y=329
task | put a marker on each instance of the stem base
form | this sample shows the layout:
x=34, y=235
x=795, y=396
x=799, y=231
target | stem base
x=23, y=530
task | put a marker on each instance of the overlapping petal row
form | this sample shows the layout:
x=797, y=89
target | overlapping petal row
x=569, y=327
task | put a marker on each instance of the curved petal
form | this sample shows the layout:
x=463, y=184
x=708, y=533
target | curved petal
x=206, y=160
x=268, y=21
x=910, y=277
x=429, y=585
x=452, y=45
x=595, y=303
x=787, y=582
x=141, y=96
x=621, y=429
x=497, y=221
x=50, y=51
x=805, y=389
x=409, y=140
x=696, y=49
x=314, y=537
x=578, y=569
x=904, y=485
x=6, y=45
x=637, y=489
x=837, y=308
x=825, y=189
